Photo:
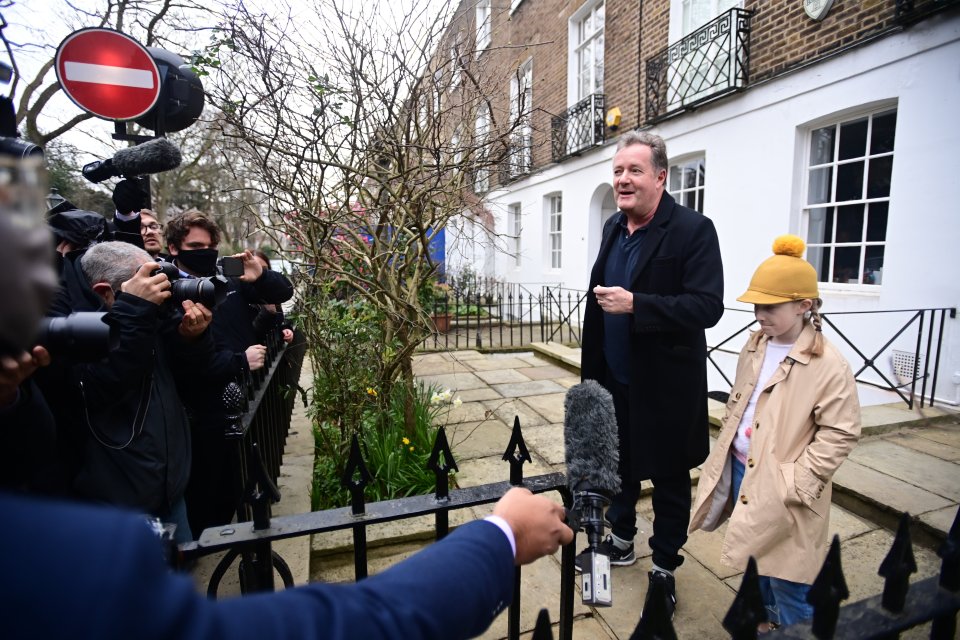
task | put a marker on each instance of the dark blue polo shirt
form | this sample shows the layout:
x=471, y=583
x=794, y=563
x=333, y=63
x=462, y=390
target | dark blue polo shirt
x=621, y=263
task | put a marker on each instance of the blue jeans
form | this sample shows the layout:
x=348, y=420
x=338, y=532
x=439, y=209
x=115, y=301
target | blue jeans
x=786, y=601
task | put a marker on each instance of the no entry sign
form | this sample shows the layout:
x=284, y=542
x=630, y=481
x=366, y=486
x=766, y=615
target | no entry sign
x=107, y=73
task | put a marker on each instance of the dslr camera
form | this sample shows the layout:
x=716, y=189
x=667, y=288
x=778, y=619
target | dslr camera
x=209, y=291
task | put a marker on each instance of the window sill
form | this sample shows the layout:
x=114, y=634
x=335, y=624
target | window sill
x=857, y=290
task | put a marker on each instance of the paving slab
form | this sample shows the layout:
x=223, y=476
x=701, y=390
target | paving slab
x=550, y=406
x=524, y=389
x=489, y=364
x=920, y=469
x=464, y=355
x=466, y=412
x=920, y=443
x=568, y=381
x=439, y=367
x=507, y=409
x=478, y=439
x=940, y=520
x=419, y=529
x=881, y=491
x=548, y=372
x=948, y=434
x=480, y=471
x=483, y=393
x=532, y=359
x=454, y=381
x=547, y=441
x=502, y=376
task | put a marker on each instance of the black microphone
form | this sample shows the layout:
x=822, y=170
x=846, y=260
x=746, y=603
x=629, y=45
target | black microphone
x=156, y=156
x=592, y=453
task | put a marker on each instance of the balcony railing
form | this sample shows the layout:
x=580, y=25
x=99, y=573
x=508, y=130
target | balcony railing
x=519, y=160
x=912, y=11
x=709, y=63
x=579, y=128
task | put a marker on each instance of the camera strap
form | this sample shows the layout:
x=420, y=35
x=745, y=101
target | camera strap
x=146, y=389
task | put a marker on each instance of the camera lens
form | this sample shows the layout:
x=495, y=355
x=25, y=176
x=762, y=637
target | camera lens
x=206, y=291
x=19, y=148
x=83, y=336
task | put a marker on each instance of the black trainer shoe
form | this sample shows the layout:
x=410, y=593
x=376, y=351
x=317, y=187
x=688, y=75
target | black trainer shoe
x=618, y=557
x=668, y=587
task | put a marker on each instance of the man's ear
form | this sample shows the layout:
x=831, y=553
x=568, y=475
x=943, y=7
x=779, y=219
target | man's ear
x=105, y=291
x=172, y=250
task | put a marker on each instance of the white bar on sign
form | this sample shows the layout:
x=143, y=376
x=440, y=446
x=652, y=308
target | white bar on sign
x=103, y=74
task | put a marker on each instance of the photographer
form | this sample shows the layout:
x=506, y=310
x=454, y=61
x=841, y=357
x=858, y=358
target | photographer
x=192, y=240
x=125, y=432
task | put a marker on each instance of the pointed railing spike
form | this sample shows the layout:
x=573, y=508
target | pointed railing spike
x=826, y=593
x=949, y=552
x=897, y=567
x=747, y=610
x=542, y=631
x=516, y=454
x=356, y=477
x=441, y=462
x=655, y=621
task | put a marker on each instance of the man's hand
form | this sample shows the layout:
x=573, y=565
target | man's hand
x=537, y=523
x=256, y=355
x=614, y=299
x=252, y=269
x=287, y=335
x=15, y=370
x=196, y=319
x=153, y=288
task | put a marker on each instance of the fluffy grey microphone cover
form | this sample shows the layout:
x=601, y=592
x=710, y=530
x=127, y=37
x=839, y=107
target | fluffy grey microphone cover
x=590, y=438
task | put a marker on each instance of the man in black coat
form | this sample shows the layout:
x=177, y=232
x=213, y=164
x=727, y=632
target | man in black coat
x=656, y=285
x=192, y=239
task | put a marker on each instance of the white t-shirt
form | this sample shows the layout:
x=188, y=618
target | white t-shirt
x=771, y=361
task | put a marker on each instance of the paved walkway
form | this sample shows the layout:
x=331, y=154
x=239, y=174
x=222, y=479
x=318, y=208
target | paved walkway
x=906, y=462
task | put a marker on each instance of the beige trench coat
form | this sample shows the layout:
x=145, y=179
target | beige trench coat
x=806, y=422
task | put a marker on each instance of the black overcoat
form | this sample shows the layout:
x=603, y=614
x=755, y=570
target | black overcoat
x=677, y=293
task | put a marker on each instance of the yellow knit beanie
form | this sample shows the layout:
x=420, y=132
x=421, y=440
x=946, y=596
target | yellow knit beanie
x=784, y=277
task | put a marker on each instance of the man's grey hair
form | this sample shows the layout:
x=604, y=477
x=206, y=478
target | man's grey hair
x=112, y=262
x=658, y=148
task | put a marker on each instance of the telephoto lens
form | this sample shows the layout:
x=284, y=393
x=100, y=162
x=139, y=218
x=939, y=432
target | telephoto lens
x=83, y=336
x=207, y=291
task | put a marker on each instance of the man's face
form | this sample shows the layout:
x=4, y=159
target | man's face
x=196, y=238
x=151, y=231
x=636, y=184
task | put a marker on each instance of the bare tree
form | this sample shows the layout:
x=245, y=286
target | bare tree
x=367, y=140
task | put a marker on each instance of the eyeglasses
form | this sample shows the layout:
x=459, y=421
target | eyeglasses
x=153, y=226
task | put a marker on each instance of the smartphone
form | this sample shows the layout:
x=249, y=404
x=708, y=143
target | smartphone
x=231, y=267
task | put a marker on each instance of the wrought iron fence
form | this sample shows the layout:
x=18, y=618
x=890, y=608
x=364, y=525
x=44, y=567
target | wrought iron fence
x=906, y=360
x=709, y=63
x=579, y=128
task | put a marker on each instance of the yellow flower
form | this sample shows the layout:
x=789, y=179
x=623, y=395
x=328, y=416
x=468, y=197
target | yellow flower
x=412, y=448
x=406, y=441
x=371, y=392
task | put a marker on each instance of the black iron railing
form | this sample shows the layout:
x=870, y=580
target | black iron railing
x=905, y=361
x=709, y=63
x=579, y=128
x=519, y=159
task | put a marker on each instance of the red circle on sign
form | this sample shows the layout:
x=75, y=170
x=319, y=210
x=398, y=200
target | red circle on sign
x=107, y=73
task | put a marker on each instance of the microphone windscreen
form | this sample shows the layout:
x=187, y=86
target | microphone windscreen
x=590, y=438
x=156, y=156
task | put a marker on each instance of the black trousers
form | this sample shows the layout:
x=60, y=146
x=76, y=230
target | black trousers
x=671, y=495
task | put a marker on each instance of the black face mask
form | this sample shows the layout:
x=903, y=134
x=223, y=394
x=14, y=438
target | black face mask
x=201, y=262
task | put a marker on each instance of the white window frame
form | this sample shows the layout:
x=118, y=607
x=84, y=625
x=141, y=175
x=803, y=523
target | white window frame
x=515, y=231
x=456, y=142
x=580, y=42
x=553, y=208
x=513, y=5
x=521, y=106
x=682, y=193
x=868, y=280
x=481, y=182
x=484, y=19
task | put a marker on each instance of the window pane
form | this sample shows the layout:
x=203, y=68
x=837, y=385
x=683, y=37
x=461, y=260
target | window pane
x=690, y=199
x=853, y=139
x=873, y=265
x=819, y=257
x=689, y=177
x=846, y=265
x=703, y=193
x=702, y=168
x=877, y=222
x=878, y=184
x=850, y=181
x=821, y=145
x=598, y=72
x=881, y=138
x=819, y=188
x=675, y=173
x=850, y=223
x=820, y=227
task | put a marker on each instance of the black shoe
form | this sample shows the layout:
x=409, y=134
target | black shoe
x=618, y=557
x=668, y=586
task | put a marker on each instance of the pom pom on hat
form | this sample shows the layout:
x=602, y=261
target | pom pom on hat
x=789, y=245
x=783, y=277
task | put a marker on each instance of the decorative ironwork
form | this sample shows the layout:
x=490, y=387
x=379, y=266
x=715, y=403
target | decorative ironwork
x=579, y=128
x=709, y=63
x=516, y=454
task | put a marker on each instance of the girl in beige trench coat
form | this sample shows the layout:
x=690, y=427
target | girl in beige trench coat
x=792, y=418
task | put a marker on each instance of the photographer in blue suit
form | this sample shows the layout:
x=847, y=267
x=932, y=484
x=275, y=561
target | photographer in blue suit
x=76, y=571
